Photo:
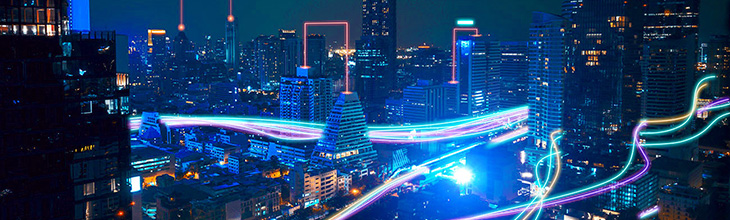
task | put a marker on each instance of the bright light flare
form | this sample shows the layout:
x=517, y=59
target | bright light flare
x=465, y=22
x=463, y=175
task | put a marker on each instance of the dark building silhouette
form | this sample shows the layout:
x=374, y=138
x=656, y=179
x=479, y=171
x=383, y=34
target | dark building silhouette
x=64, y=141
x=602, y=99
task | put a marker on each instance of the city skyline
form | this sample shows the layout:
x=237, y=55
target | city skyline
x=505, y=20
x=433, y=109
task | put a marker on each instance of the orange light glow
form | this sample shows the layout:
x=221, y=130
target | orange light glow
x=151, y=32
x=120, y=213
x=230, y=18
x=181, y=27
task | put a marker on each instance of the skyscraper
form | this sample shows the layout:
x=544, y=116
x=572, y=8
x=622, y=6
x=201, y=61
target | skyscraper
x=602, y=103
x=669, y=58
x=379, y=19
x=471, y=74
x=547, y=66
x=423, y=102
x=374, y=72
x=317, y=52
x=305, y=97
x=345, y=144
x=65, y=143
x=513, y=75
x=231, y=43
x=718, y=62
x=290, y=52
x=671, y=19
x=267, y=61
x=157, y=54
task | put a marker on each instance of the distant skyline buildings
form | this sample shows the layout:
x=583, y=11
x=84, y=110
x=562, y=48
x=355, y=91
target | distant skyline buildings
x=199, y=14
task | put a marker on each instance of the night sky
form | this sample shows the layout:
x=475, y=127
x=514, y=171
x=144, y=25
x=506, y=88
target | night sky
x=419, y=21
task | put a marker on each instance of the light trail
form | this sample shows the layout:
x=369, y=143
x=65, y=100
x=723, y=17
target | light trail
x=717, y=104
x=375, y=194
x=347, y=45
x=558, y=167
x=674, y=143
x=453, y=50
x=686, y=117
x=303, y=131
x=648, y=212
x=586, y=192
x=609, y=184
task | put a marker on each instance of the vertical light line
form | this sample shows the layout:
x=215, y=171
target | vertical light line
x=305, y=44
x=181, y=26
x=347, y=57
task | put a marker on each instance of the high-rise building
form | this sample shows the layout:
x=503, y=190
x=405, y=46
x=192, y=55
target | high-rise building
x=317, y=54
x=305, y=97
x=426, y=62
x=641, y=195
x=182, y=49
x=671, y=19
x=290, y=52
x=345, y=144
x=379, y=18
x=373, y=75
x=547, y=65
x=157, y=55
x=513, y=75
x=683, y=202
x=602, y=103
x=423, y=102
x=65, y=143
x=669, y=57
x=267, y=61
x=276, y=57
x=718, y=62
x=494, y=75
x=231, y=43
x=374, y=72
x=471, y=74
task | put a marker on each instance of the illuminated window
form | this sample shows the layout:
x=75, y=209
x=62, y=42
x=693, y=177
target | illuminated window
x=89, y=189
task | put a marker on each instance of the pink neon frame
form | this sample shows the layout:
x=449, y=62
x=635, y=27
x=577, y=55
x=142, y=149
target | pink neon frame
x=347, y=45
x=453, y=50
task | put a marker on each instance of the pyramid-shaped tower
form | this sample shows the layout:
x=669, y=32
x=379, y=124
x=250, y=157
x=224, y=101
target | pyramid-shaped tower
x=345, y=144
